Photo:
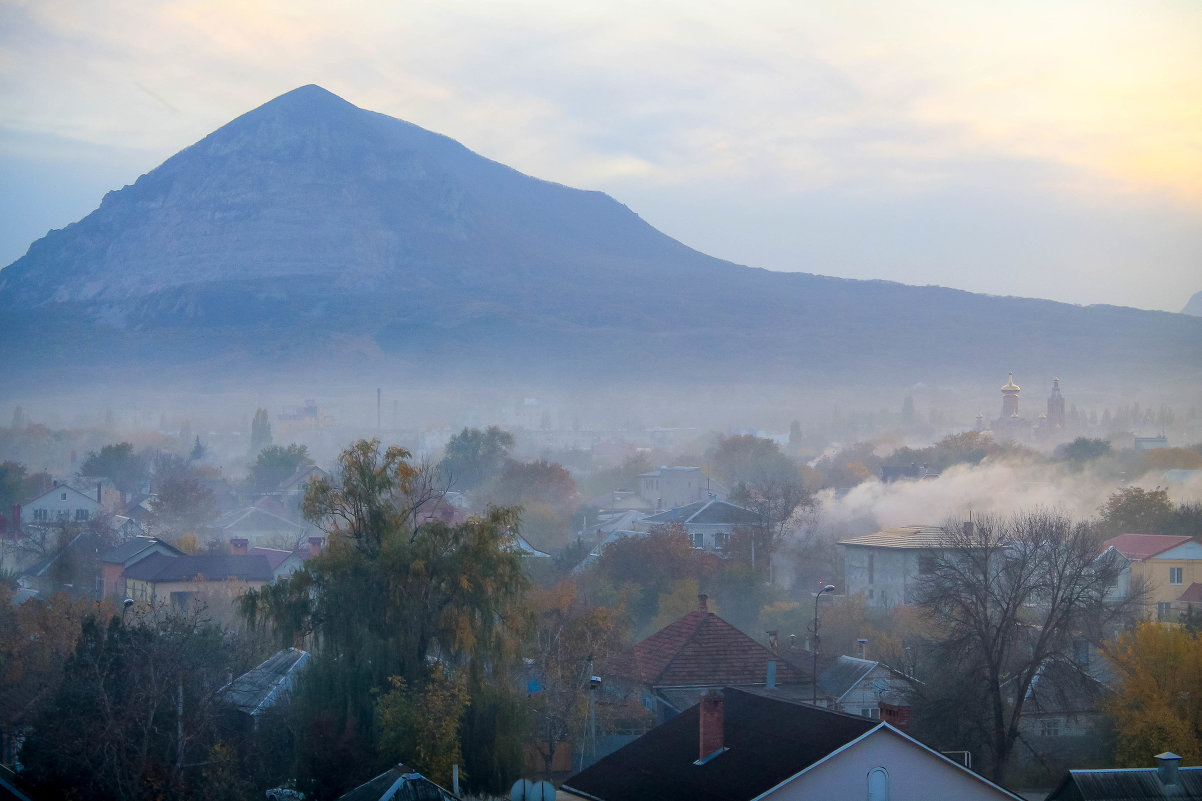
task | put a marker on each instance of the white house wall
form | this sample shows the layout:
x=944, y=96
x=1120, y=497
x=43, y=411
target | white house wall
x=913, y=774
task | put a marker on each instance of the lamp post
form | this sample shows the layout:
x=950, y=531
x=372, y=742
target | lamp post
x=125, y=605
x=814, y=676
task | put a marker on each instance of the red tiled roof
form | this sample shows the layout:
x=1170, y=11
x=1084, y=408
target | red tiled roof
x=1192, y=594
x=1143, y=546
x=701, y=649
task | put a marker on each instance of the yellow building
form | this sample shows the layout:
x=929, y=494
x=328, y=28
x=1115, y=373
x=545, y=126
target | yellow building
x=1169, y=568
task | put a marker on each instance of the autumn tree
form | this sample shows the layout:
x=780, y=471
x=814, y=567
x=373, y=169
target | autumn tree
x=423, y=723
x=1010, y=594
x=572, y=640
x=36, y=639
x=1158, y=706
x=134, y=716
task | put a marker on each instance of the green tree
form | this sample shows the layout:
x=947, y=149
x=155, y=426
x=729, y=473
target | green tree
x=260, y=431
x=119, y=463
x=275, y=464
x=382, y=602
x=1134, y=510
x=472, y=456
x=181, y=503
x=12, y=485
x=1082, y=449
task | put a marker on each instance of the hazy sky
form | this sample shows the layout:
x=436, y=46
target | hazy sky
x=1022, y=148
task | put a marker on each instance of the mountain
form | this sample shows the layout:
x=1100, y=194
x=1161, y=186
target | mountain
x=1194, y=305
x=309, y=234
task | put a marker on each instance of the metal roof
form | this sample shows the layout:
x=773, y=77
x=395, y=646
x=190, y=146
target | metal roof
x=258, y=689
x=903, y=537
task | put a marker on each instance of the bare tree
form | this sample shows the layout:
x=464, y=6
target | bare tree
x=1011, y=594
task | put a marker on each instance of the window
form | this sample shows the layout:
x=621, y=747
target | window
x=720, y=539
x=926, y=564
x=1049, y=728
x=878, y=785
x=81, y=515
x=41, y=515
x=62, y=496
x=1164, y=609
x=699, y=540
x=1174, y=575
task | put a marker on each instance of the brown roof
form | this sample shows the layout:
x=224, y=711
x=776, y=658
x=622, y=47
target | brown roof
x=1143, y=546
x=702, y=649
x=1192, y=594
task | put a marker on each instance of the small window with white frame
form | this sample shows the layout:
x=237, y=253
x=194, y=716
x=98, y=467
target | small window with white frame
x=1174, y=575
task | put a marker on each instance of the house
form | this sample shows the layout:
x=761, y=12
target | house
x=672, y=668
x=181, y=580
x=114, y=562
x=886, y=566
x=860, y=686
x=739, y=745
x=669, y=487
x=60, y=504
x=1167, y=780
x=1165, y=565
x=1061, y=713
x=261, y=527
x=710, y=523
x=397, y=783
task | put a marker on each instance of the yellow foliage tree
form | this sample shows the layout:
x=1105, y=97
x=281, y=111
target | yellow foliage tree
x=421, y=726
x=1159, y=704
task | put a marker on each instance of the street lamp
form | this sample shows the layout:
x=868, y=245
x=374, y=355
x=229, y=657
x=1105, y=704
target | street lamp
x=125, y=605
x=814, y=676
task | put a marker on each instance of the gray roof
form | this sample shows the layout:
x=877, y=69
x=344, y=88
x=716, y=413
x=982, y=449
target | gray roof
x=260, y=688
x=844, y=673
x=126, y=551
x=159, y=568
x=398, y=783
x=710, y=512
x=1127, y=784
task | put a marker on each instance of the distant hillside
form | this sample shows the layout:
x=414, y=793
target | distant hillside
x=311, y=234
x=1194, y=305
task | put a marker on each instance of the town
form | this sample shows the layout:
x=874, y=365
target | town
x=1003, y=606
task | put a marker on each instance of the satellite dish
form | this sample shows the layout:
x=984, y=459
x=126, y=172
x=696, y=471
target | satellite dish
x=526, y=790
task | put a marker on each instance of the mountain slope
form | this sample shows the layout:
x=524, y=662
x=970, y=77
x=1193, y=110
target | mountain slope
x=310, y=233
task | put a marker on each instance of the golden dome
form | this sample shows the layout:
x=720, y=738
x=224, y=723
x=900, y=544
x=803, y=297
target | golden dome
x=1011, y=386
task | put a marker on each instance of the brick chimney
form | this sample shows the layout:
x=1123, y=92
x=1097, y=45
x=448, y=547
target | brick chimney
x=711, y=713
x=702, y=605
x=315, y=546
x=238, y=546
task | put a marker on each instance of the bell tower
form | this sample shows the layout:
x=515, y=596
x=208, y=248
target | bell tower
x=1055, y=406
x=1010, y=398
